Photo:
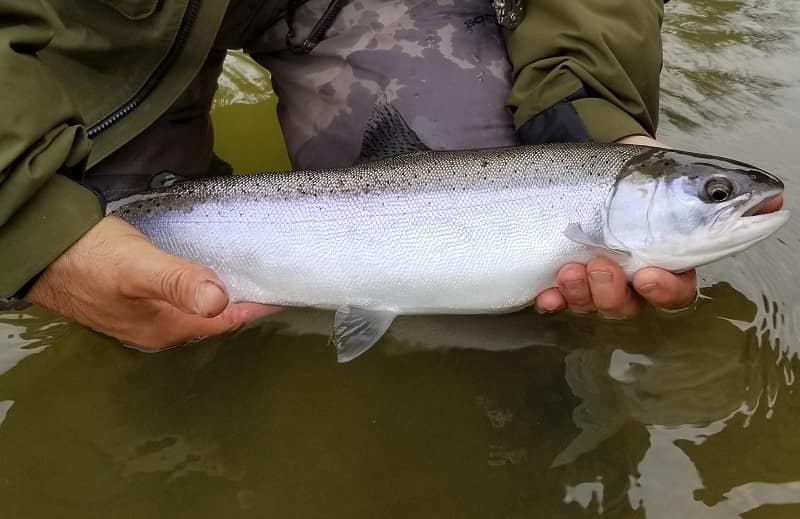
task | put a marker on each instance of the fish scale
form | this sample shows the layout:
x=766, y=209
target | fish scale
x=463, y=231
x=428, y=232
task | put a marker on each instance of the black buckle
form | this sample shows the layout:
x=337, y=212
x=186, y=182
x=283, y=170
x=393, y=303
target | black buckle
x=13, y=303
x=509, y=12
x=18, y=301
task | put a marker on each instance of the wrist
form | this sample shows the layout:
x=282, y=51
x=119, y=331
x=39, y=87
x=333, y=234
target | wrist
x=641, y=140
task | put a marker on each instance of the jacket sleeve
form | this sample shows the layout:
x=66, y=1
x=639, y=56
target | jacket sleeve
x=586, y=70
x=43, y=148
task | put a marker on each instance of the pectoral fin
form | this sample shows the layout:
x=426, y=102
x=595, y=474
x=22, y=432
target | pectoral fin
x=575, y=233
x=356, y=329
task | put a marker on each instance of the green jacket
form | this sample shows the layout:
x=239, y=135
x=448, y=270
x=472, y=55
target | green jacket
x=598, y=59
x=78, y=80
x=69, y=75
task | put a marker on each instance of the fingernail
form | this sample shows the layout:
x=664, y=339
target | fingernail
x=545, y=311
x=600, y=277
x=648, y=288
x=611, y=316
x=575, y=286
x=207, y=298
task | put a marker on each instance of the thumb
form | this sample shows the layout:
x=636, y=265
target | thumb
x=192, y=288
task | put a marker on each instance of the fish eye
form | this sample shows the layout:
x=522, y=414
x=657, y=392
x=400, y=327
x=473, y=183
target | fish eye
x=719, y=189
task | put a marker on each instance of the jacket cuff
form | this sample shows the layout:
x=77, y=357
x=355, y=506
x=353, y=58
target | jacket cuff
x=605, y=121
x=559, y=123
x=52, y=220
x=580, y=119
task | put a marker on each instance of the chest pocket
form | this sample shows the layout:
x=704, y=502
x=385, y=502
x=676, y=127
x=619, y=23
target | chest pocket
x=133, y=9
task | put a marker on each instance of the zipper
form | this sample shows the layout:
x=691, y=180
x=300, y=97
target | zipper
x=317, y=33
x=187, y=22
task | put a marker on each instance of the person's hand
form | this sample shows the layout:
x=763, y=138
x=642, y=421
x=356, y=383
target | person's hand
x=603, y=287
x=115, y=281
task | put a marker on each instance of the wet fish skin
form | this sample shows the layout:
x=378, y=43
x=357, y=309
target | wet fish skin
x=390, y=234
x=452, y=232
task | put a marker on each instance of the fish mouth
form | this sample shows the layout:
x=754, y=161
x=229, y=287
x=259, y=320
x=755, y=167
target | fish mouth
x=753, y=209
x=744, y=232
x=759, y=219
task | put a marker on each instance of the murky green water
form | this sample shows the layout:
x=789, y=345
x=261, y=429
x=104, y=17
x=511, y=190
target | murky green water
x=688, y=415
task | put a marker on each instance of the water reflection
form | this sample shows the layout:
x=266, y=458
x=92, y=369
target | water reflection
x=512, y=414
x=247, y=134
x=724, y=60
x=25, y=334
x=243, y=82
x=713, y=379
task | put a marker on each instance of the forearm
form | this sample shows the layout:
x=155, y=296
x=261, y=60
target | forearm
x=586, y=70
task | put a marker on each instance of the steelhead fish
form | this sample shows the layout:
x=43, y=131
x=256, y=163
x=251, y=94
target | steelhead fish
x=455, y=232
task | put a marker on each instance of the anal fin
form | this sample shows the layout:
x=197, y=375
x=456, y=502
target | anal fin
x=357, y=329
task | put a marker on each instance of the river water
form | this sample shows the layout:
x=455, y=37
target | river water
x=694, y=414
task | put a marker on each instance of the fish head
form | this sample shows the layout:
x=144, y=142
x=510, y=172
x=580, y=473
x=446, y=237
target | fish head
x=680, y=210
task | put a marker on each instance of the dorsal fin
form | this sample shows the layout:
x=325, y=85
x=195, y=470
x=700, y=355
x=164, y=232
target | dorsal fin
x=387, y=134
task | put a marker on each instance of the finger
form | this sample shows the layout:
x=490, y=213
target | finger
x=232, y=318
x=611, y=293
x=253, y=311
x=550, y=300
x=642, y=140
x=575, y=288
x=170, y=326
x=664, y=289
x=191, y=288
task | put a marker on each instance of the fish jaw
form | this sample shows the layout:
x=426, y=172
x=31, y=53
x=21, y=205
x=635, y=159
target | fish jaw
x=706, y=245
